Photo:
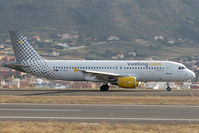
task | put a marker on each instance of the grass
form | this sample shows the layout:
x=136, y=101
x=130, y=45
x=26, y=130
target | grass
x=157, y=100
x=62, y=127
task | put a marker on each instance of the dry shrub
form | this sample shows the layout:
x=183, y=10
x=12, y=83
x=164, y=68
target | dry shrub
x=158, y=100
x=62, y=127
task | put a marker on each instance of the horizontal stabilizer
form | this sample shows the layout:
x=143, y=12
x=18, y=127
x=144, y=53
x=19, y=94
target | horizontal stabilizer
x=16, y=66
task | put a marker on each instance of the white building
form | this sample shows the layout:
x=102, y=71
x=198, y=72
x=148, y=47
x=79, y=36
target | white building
x=54, y=53
x=113, y=38
x=160, y=37
x=159, y=85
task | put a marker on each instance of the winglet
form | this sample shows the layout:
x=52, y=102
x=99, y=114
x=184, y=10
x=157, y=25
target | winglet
x=75, y=69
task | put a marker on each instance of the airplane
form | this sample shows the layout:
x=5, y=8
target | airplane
x=125, y=74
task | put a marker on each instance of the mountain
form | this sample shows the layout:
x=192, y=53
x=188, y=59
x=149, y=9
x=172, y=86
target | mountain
x=125, y=18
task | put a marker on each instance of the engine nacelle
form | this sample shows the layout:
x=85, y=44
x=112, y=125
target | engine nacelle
x=127, y=82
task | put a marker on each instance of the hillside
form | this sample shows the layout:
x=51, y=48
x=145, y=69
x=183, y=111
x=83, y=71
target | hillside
x=128, y=18
x=135, y=22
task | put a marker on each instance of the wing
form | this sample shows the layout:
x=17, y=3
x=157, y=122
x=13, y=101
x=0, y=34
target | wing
x=101, y=76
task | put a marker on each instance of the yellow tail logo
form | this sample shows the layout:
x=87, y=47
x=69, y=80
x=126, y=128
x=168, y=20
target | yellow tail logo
x=20, y=42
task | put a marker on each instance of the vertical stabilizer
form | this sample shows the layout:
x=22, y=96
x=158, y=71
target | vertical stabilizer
x=28, y=60
x=22, y=49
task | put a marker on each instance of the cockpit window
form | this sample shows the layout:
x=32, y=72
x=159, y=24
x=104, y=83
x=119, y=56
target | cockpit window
x=181, y=68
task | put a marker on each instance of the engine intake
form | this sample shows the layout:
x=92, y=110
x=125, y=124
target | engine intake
x=127, y=82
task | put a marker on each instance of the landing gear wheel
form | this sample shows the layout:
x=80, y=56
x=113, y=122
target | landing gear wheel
x=168, y=88
x=104, y=88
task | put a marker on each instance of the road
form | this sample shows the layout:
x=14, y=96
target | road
x=86, y=92
x=99, y=113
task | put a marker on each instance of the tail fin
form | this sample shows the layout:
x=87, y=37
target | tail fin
x=22, y=49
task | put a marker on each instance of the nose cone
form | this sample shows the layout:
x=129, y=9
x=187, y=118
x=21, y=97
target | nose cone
x=192, y=75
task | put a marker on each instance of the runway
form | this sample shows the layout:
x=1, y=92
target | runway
x=100, y=113
x=112, y=92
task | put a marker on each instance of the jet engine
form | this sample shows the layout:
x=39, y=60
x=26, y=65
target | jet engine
x=127, y=82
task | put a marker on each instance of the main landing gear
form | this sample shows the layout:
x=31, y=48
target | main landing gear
x=168, y=87
x=104, y=88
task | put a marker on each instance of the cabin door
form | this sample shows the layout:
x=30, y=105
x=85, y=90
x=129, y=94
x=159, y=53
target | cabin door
x=168, y=68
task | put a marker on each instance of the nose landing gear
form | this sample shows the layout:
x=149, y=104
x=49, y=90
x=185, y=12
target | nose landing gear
x=104, y=87
x=168, y=87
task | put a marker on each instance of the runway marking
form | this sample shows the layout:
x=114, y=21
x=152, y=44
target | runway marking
x=105, y=105
x=53, y=110
x=97, y=118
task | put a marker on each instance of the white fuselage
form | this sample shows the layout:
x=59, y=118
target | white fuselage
x=157, y=71
x=122, y=73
